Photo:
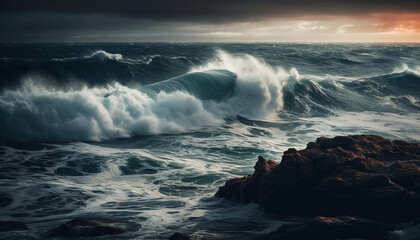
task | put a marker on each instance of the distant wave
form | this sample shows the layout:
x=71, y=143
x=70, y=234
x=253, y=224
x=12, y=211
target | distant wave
x=397, y=91
x=103, y=55
x=97, y=68
x=99, y=54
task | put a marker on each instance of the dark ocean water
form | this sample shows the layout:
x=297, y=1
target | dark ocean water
x=147, y=132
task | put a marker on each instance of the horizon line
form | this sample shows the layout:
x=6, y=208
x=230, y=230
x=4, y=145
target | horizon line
x=232, y=42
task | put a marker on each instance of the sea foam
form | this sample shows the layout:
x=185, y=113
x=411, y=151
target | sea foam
x=258, y=91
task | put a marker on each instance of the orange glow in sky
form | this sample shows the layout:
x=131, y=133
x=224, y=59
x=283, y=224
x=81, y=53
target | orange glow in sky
x=379, y=27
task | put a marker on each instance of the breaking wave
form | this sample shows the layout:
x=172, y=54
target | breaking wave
x=227, y=85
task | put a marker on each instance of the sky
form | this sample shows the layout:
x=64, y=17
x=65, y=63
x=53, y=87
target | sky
x=209, y=21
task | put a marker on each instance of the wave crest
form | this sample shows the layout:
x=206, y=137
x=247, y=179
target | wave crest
x=258, y=90
x=105, y=55
x=35, y=113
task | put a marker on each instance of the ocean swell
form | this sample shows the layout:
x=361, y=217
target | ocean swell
x=397, y=91
x=105, y=55
x=102, y=55
x=226, y=86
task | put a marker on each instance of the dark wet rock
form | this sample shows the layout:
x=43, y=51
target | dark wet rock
x=7, y=226
x=86, y=227
x=366, y=176
x=329, y=228
x=179, y=236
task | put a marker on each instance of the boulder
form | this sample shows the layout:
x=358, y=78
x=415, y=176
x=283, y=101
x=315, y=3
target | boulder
x=330, y=228
x=7, y=226
x=86, y=227
x=364, y=175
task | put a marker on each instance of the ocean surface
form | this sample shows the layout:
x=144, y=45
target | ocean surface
x=147, y=132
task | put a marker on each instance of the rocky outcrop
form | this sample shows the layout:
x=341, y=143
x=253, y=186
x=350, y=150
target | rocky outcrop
x=86, y=227
x=7, y=226
x=330, y=228
x=365, y=176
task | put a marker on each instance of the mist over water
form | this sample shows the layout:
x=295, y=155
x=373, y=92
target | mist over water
x=148, y=132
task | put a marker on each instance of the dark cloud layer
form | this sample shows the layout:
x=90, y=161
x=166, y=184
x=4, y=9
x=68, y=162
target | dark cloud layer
x=209, y=10
x=81, y=27
x=206, y=20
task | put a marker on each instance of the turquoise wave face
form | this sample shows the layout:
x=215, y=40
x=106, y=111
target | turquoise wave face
x=209, y=85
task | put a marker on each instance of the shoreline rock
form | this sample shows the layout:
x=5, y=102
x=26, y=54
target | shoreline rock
x=85, y=227
x=330, y=228
x=8, y=226
x=363, y=175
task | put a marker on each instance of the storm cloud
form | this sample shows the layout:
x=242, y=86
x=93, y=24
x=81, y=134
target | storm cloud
x=208, y=20
x=209, y=10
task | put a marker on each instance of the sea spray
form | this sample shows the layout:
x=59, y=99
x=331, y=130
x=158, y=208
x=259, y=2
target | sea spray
x=94, y=114
x=258, y=92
